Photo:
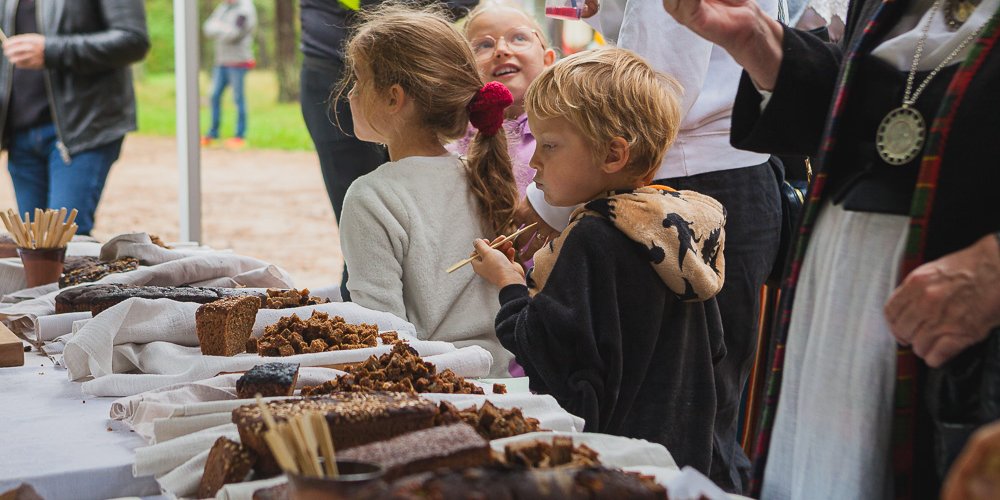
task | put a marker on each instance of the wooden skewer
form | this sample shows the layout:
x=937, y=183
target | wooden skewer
x=61, y=227
x=312, y=443
x=68, y=235
x=274, y=440
x=3, y=37
x=325, y=444
x=475, y=255
x=16, y=229
x=12, y=229
x=53, y=226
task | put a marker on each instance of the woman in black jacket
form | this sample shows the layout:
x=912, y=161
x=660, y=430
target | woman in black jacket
x=67, y=99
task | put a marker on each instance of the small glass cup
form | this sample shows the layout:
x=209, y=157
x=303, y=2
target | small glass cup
x=354, y=477
x=567, y=10
x=42, y=265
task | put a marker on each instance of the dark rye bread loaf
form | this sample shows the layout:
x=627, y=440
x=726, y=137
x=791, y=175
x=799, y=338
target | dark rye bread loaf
x=228, y=462
x=449, y=446
x=354, y=419
x=225, y=325
x=268, y=380
x=95, y=271
x=96, y=298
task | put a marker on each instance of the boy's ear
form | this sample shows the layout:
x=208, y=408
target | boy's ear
x=549, y=57
x=617, y=158
x=396, y=98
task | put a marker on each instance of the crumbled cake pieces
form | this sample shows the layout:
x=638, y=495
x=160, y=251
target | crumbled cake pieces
x=542, y=453
x=354, y=419
x=390, y=337
x=491, y=422
x=292, y=335
x=400, y=370
x=96, y=271
x=228, y=462
x=286, y=299
x=591, y=483
x=224, y=326
x=268, y=380
x=451, y=446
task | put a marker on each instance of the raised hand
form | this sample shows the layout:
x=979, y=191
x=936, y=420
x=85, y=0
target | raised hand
x=741, y=27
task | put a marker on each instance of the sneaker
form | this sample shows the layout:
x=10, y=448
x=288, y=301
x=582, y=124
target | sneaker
x=206, y=141
x=235, y=143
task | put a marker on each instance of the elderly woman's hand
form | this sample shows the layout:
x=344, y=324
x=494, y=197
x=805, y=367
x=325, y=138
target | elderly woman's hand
x=975, y=474
x=948, y=304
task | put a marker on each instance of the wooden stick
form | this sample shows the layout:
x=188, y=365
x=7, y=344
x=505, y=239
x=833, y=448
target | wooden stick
x=15, y=229
x=60, y=227
x=274, y=440
x=27, y=226
x=325, y=444
x=12, y=229
x=68, y=236
x=312, y=441
x=53, y=226
x=310, y=464
x=475, y=255
x=3, y=37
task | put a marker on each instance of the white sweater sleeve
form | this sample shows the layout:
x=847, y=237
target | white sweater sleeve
x=373, y=237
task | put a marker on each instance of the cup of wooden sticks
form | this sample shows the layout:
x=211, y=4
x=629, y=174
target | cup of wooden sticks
x=41, y=242
x=303, y=447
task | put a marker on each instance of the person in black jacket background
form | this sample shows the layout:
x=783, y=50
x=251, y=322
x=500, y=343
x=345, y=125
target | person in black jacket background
x=67, y=99
x=326, y=25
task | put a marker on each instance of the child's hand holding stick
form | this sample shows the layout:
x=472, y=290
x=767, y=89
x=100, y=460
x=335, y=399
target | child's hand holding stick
x=497, y=265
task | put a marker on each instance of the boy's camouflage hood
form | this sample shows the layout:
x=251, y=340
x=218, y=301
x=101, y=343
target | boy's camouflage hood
x=682, y=231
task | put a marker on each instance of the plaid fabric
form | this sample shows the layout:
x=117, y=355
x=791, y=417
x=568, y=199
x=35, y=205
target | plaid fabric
x=906, y=364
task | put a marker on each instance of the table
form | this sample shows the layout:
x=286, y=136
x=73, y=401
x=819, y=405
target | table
x=60, y=442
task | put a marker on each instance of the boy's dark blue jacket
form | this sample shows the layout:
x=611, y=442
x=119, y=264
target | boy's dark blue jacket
x=619, y=324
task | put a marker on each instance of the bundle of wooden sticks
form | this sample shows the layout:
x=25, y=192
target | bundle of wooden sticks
x=50, y=229
x=298, y=443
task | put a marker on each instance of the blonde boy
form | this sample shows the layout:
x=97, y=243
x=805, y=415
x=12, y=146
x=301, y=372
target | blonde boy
x=617, y=319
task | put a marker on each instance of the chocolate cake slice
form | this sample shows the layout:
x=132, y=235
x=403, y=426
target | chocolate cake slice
x=450, y=446
x=224, y=326
x=228, y=462
x=268, y=380
x=354, y=419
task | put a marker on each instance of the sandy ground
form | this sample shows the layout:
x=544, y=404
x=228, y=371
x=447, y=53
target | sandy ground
x=266, y=204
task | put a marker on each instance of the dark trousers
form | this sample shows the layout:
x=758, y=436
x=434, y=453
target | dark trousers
x=753, y=231
x=342, y=157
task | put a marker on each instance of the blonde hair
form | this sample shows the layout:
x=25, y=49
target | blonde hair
x=419, y=50
x=488, y=5
x=608, y=93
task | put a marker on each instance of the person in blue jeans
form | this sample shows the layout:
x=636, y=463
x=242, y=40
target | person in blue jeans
x=231, y=25
x=69, y=99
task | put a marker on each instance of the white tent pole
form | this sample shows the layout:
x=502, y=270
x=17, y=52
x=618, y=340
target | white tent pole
x=188, y=145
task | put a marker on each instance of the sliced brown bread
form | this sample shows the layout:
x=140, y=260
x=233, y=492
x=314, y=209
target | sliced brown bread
x=268, y=380
x=228, y=462
x=224, y=326
x=449, y=446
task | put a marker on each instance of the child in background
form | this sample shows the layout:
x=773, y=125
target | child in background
x=510, y=48
x=617, y=320
x=416, y=87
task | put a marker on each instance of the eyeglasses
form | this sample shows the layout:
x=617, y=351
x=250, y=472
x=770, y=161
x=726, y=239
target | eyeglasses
x=518, y=40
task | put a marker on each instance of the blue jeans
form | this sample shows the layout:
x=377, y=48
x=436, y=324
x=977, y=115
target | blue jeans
x=223, y=76
x=42, y=180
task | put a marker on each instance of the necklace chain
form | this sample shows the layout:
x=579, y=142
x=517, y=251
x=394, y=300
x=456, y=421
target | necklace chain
x=908, y=99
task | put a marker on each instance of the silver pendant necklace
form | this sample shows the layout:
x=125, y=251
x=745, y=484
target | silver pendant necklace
x=902, y=133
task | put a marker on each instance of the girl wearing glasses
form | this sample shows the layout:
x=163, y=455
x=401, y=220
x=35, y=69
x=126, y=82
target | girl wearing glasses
x=510, y=48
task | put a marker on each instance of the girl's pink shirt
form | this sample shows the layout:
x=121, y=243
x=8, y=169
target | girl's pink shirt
x=520, y=145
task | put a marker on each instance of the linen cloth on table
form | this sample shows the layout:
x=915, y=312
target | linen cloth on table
x=140, y=411
x=186, y=455
x=239, y=270
x=158, y=339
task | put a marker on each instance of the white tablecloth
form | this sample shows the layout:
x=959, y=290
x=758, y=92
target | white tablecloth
x=58, y=441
